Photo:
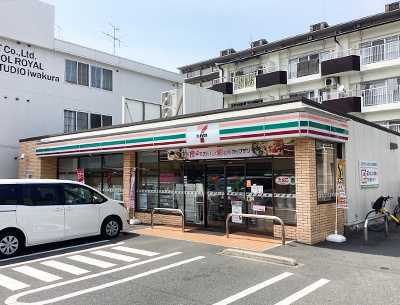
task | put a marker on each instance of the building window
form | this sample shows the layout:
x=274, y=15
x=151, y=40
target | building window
x=380, y=50
x=381, y=92
x=190, y=74
x=95, y=120
x=306, y=65
x=78, y=73
x=76, y=120
x=104, y=173
x=326, y=171
x=215, y=68
x=69, y=120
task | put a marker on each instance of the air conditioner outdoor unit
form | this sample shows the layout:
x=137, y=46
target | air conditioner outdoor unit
x=169, y=103
x=330, y=82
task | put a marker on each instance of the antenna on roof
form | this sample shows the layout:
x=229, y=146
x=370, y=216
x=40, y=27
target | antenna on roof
x=113, y=37
x=251, y=42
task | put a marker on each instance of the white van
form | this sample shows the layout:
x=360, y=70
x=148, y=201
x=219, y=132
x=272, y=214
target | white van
x=38, y=211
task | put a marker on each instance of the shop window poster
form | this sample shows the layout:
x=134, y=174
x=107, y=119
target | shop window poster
x=143, y=201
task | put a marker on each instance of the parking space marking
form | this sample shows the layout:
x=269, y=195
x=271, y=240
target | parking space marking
x=116, y=256
x=38, y=274
x=50, y=251
x=254, y=289
x=11, y=284
x=60, y=255
x=135, y=251
x=303, y=292
x=91, y=261
x=65, y=267
x=13, y=300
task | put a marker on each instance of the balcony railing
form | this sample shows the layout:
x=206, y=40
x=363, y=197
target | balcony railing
x=342, y=53
x=380, y=96
x=382, y=52
x=335, y=95
x=394, y=127
x=245, y=81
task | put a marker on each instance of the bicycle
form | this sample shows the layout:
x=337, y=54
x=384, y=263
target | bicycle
x=378, y=224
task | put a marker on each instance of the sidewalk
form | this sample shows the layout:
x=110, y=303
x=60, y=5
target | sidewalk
x=239, y=240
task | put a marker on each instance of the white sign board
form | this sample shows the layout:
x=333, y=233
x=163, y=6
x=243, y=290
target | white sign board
x=368, y=174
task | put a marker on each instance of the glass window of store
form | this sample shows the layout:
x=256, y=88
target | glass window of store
x=171, y=180
x=326, y=171
x=285, y=190
x=147, y=184
x=104, y=173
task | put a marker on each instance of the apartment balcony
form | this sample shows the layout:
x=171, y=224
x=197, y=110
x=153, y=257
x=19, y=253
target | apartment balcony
x=344, y=101
x=223, y=87
x=381, y=98
x=271, y=77
x=341, y=63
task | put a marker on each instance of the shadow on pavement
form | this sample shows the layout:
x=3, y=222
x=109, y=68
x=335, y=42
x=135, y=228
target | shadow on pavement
x=377, y=244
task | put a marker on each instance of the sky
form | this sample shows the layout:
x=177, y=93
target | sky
x=175, y=33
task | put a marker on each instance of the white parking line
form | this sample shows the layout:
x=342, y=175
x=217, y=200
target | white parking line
x=117, y=256
x=303, y=292
x=254, y=289
x=91, y=261
x=13, y=299
x=38, y=274
x=65, y=267
x=11, y=284
x=60, y=255
x=135, y=251
x=50, y=251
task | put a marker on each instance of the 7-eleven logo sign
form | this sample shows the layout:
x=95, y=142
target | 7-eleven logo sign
x=203, y=134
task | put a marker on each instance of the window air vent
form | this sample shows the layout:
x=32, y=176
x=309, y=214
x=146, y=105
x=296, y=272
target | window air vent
x=318, y=26
x=392, y=6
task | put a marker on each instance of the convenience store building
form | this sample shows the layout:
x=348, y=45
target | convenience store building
x=277, y=158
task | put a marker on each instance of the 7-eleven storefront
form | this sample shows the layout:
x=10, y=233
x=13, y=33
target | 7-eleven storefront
x=275, y=159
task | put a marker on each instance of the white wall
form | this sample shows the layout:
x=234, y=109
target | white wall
x=370, y=144
x=31, y=107
x=197, y=99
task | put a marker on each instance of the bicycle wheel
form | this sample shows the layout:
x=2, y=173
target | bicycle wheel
x=376, y=224
x=396, y=212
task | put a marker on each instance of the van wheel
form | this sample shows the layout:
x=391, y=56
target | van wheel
x=11, y=243
x=111, y=227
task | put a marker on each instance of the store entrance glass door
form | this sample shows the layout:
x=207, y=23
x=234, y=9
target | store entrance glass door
x=226, y=189
x=215, y=196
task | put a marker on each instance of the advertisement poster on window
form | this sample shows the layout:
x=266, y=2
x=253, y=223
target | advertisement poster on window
x=369, y=174
x=143, y=201
x=132, y=190
x=236, y=209
x=80, y=175
x=340, y=188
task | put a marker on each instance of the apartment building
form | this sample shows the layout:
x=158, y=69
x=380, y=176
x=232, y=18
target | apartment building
x=50, y=86
x=351, y=67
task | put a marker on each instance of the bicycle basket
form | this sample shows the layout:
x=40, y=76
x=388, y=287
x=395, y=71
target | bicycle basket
x=378, y=204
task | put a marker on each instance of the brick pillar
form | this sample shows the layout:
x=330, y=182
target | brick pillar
x=42, y=168
x=306, y=189
x=129, y=164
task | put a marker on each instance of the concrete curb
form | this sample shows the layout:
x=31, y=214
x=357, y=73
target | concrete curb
x=261, y=257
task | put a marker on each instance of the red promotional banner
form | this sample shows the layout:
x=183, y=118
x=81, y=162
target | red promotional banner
x=80, y=175
x=132, y=190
